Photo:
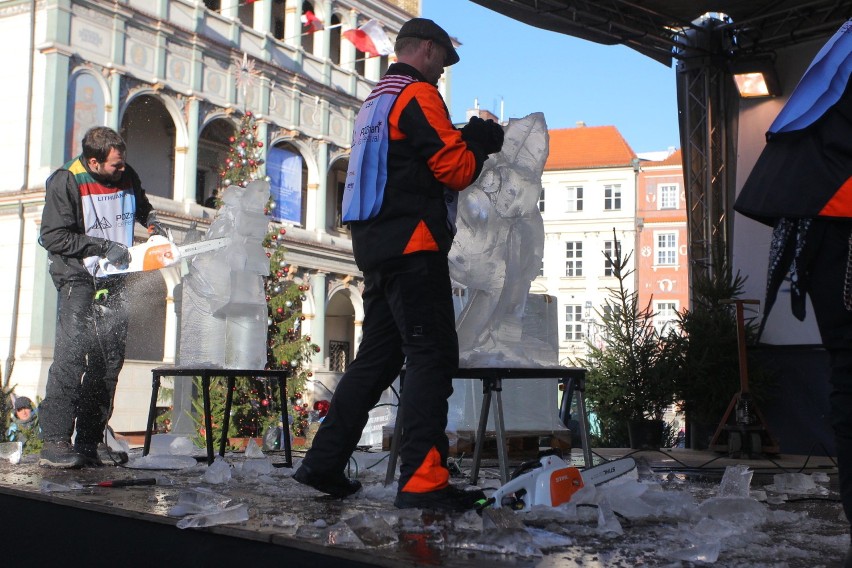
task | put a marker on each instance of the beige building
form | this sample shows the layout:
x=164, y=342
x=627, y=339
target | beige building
x=588, y=205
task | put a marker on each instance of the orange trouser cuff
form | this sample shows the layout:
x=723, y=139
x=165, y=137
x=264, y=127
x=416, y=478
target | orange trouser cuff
x=430, y=476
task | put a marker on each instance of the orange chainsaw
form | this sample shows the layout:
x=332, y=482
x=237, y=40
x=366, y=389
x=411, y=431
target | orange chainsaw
x=159, y=252
x=551, y=481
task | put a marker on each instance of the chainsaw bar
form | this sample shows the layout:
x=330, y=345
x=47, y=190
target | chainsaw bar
x=602, y=473
x=198, y=247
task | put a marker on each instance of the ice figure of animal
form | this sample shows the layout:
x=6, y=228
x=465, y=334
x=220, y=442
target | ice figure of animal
x=497, y=253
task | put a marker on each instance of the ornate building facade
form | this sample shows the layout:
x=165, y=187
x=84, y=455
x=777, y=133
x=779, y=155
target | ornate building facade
x=174, y=78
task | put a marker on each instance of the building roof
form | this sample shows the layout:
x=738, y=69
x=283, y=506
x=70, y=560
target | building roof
x=673, y=159
x=588, y=147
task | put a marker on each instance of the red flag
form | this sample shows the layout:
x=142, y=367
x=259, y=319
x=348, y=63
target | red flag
x=311, y=23
x=370, y=38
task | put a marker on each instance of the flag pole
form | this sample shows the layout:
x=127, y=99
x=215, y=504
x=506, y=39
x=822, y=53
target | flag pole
x=313, y=32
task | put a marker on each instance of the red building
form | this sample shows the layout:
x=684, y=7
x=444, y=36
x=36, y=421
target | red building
x=662, y=267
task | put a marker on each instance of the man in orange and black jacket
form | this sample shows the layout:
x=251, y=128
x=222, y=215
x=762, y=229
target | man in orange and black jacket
x=407, y=164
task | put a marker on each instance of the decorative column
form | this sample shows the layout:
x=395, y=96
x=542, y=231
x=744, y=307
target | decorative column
x=318, y=289
x=373, y=68
x=56, y=69
x=293, y=24
x=170, y=332
x=230, y=9
x=320, y=213
x=357, y=335
x=112, y=110
x=190, y=169
x=262, y=16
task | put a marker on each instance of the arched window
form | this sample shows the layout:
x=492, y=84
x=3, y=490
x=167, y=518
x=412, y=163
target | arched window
x=334, y=199
x=334, y=37
x=85, y=110
x=149, y=132
x=307, y=39
x=278, y=7
x=213, y=143
x=288, y=179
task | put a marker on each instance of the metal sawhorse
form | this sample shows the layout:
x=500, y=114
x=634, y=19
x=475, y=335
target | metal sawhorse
x=206, y=374
x=572, y=382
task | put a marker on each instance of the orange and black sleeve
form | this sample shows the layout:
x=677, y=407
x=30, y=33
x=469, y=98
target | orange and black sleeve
x=421, y=117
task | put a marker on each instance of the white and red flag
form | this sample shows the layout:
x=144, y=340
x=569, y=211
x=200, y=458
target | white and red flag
x=311, y=23
x=370, y=38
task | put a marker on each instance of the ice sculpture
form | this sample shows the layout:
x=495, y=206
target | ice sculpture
x=497, y=253
x=223, y=314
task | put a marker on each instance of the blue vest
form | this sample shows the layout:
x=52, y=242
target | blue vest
x=368, y=162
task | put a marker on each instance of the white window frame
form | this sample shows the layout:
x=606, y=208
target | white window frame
x=665, y=315
x=668, y=196
x=573, y=259
x=608, y=248
x=574, y=198
x=541, y=201
x=612, y=197
x=665, y=253
x=574, y=322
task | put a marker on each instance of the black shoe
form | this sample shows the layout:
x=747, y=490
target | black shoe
x=450, y=498
x=336, y=485
x=60, y=454
x=101, y=454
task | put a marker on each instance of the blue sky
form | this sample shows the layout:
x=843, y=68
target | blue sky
x=567, y=78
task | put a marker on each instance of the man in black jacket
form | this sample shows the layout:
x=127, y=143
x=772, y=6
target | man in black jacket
x=407, y=165
x=91, y=204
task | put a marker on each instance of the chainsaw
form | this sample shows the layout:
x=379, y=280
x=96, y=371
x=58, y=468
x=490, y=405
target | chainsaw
x=551, y=481
x=159, y=252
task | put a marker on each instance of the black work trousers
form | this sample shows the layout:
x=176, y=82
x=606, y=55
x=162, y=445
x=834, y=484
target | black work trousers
x=408, y=317
x=91, y=335
x=826, y=289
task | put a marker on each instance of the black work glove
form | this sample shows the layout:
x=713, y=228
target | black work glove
x=116, y=253
x=486, y=133
x=154, y=225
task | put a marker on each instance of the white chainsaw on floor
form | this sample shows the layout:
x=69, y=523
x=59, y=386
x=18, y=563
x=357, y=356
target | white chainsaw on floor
x=551, y=481
x=159, y=252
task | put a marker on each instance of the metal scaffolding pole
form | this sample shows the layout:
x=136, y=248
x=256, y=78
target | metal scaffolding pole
x=708, y=124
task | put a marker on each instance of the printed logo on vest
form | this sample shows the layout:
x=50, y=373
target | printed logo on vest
x=101, y=223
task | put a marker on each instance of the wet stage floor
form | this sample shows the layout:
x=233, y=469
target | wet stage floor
x=288, y=521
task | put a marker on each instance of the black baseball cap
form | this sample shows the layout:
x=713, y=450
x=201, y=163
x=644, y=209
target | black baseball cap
x=424, y=28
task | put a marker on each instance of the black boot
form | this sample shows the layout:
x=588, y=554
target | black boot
x=336, y=485
x=61, y=455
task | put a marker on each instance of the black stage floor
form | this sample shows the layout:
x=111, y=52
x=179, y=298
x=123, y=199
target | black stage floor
x=290, y=523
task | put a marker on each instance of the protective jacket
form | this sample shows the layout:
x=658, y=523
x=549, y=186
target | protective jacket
x=406, y=155
x=82, y=212
x=805, y=169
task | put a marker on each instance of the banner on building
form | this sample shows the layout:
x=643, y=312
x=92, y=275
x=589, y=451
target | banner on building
x=284, y=169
